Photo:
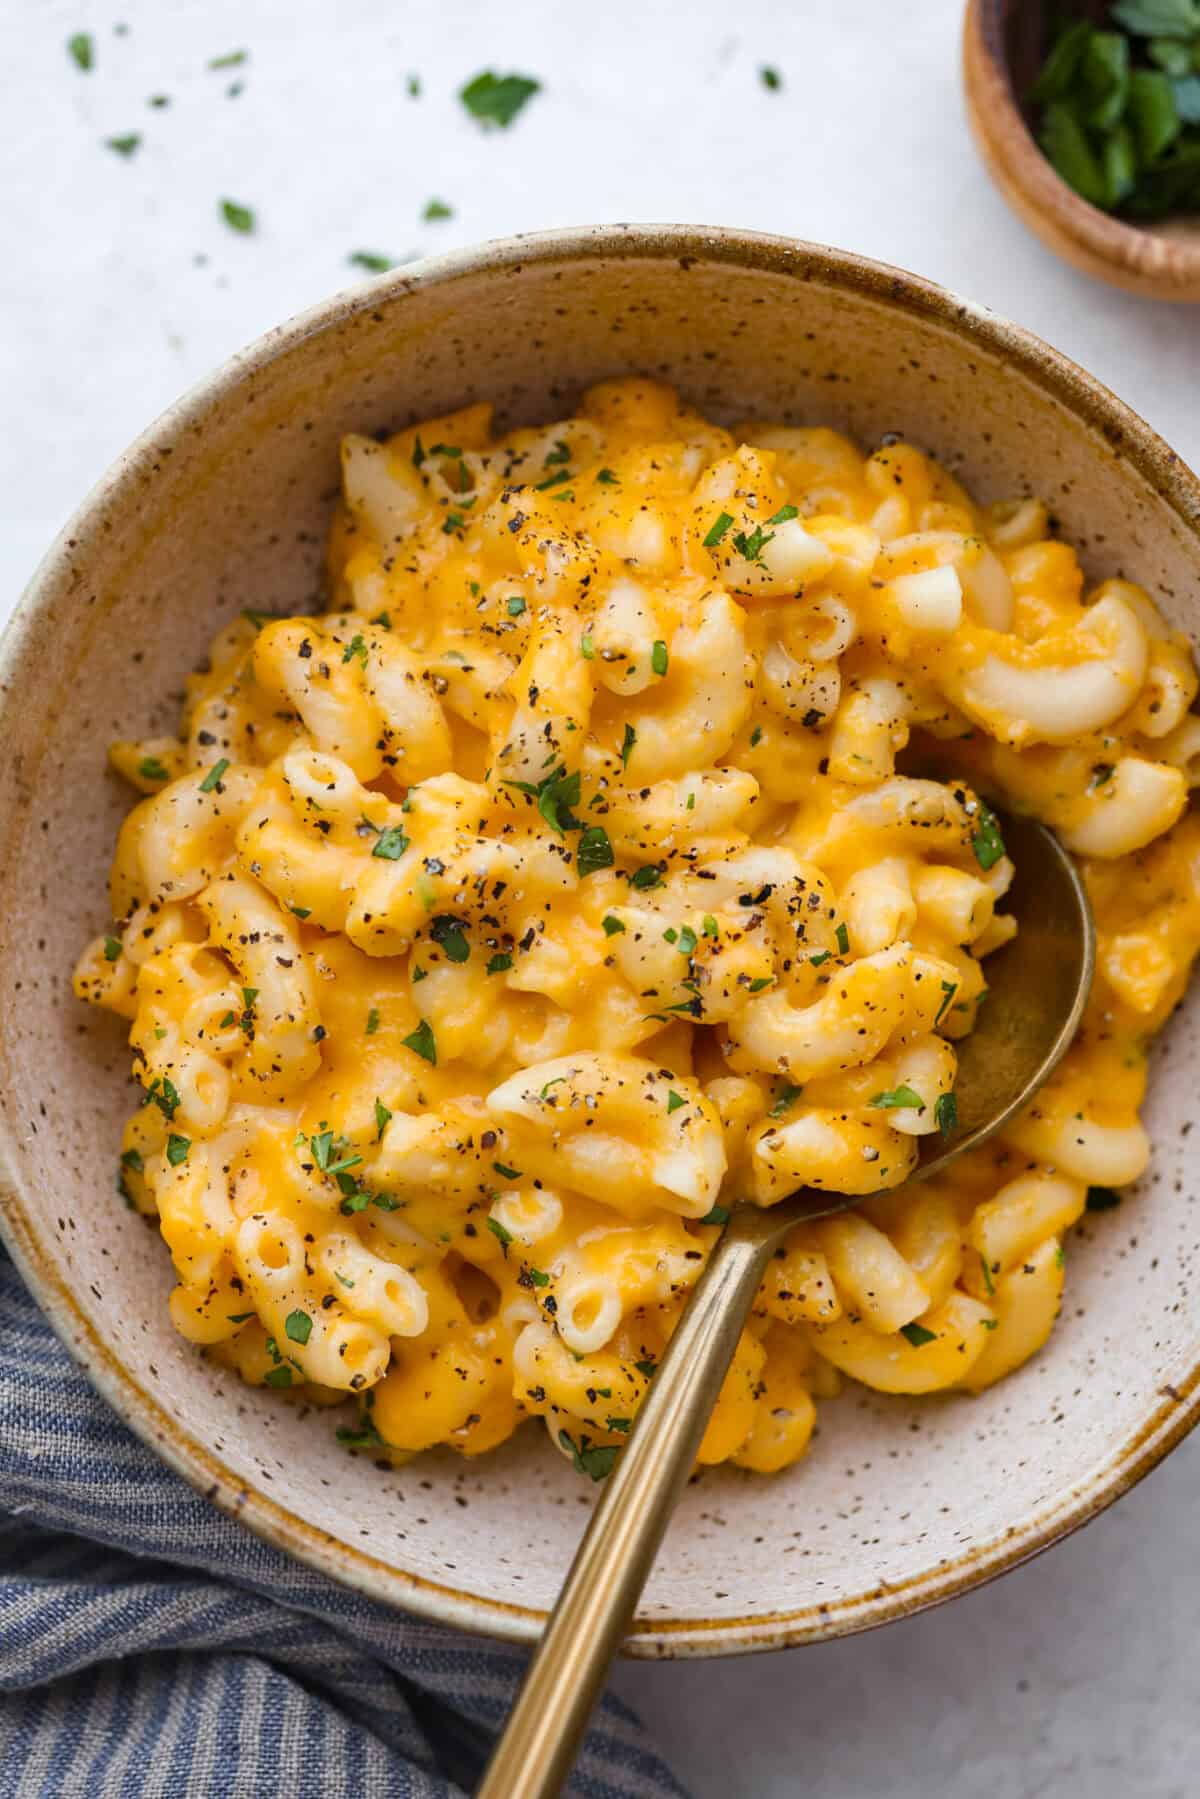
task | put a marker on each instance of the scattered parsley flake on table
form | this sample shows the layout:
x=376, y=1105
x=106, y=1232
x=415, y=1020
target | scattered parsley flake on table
x=238, y=217
x=497, y=99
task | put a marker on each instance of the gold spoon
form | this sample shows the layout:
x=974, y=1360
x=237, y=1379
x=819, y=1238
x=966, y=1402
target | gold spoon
x=1037, y=988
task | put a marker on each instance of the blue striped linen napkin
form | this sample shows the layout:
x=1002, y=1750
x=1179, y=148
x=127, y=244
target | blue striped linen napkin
x=152, y=1648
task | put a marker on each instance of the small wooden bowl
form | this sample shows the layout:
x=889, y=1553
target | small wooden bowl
x=1004, y=42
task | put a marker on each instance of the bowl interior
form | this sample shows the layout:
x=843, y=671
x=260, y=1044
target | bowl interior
x=222, y=506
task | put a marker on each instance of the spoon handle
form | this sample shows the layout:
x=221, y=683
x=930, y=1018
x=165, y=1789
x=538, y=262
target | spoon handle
x=594, y=1609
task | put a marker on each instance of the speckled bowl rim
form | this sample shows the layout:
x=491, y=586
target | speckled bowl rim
x=1165, y=1423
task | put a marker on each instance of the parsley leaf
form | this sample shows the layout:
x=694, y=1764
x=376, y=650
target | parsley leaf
x=659, y=657
x=718, y=530
x=238, y=217
x=503, y=1236
x=391, y=843
x=436, y=209
x=718, y=1215
x=374, y=261
x=497, y=99
x=987, y=842
x=897, y=1097
x=81, y=49
x=177, y=1149
x=423, y=1042
x=112, y=949
x=917, y=1335
x=945, y=1113
x=298, y=1326
x=213, y=778
x=448, y=934
x=596, y=1460
x=382, y=1117
x=594, y=852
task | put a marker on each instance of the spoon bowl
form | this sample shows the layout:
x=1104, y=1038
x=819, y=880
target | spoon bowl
x=1037, y=990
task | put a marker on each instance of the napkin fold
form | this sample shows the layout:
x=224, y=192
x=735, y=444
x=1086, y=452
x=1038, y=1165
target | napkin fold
x=153, y=1648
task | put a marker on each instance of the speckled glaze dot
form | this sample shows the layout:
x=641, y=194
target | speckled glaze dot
x=223, y=504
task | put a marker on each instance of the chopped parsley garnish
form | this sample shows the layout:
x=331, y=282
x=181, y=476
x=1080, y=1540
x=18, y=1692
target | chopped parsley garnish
x=784, y=514
x=374, y=261
x=533, y=1277
x=132, y=1158
x=367, y=1437
x=770, y=78
x=237, y=217
x=718, y=530
x=843, y=940
x=1102, y=1199
x=112, y=949
x=752, y=546
x=330, y=1152
x=607, y=477
x=756, y=737
x=820, y=955
x=497, y=99
x=213, y=778
x=945, y=1113
x=595, y=851
x=917, y=1335
x=649, y=1369
x=500, y=963
x=623, y=1425
x=82, y=51
x=503, y=1237
x=986, y=1267
x=298, y=1326
x=177, y=1149
x=628, y=740
x=718, y=1215
x=650, y=876
x=687, y=940
x=125, y=145
x=897, y=1097
x=448, y=934
x=391, y=843
x=709, y=925
x=949, y=989
x=596, y=1460
x=423, y=1042
x=674, y=1101
x=555, y=794
x=786, y=1096
x=382, y=1116
x=355, y=647
x=505, y=1172
x=165, y=1095
x=278, y=1377
x=372, y=1021
x=587, y=648
x=612, y=926
x=659, y=657
x=987, y=841
x=516, y=606
x=436, y=209
x=761, y=981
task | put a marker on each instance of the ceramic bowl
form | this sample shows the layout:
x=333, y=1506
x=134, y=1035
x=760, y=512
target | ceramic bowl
x=223, y=504
x=1004, y=44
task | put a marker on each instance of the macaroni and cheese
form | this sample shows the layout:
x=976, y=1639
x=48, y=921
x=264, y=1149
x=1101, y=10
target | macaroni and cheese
x=483, y=938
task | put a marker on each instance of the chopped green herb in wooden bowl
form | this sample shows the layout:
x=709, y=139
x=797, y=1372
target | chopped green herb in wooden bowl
x=1089, y=120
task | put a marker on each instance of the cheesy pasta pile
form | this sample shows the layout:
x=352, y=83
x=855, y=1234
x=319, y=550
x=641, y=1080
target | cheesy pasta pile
x=485, y=937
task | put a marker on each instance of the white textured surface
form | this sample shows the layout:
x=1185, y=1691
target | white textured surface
x=1076, y=1674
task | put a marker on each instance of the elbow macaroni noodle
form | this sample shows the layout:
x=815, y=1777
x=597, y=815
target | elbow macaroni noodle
x=484, y=937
